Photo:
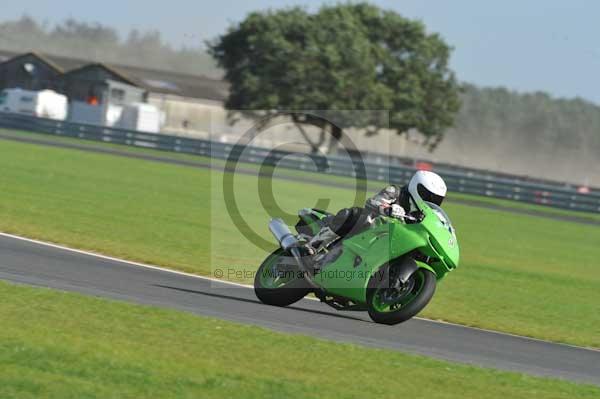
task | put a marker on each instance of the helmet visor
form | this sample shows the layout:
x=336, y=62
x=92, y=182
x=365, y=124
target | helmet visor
x=428, y=196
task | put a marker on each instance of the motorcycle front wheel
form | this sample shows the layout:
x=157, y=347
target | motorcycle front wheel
x=278, y=280
x=391, y=302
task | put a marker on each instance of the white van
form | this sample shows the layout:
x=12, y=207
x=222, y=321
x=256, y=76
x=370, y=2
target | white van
x=141, y=117
x=43, y=104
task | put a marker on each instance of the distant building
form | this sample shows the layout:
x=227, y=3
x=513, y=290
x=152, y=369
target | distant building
x=187, y=101
x=29, y=71
x=192, y=105
x=99, y=84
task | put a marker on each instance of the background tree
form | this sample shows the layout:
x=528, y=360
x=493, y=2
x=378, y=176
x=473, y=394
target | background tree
x=344, y=57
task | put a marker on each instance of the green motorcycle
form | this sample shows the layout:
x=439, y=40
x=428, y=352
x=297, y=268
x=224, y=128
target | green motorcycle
x=360, y=261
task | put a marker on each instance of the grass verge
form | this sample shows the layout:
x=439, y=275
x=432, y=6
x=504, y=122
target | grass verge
x=63, y=345
x=324, y=179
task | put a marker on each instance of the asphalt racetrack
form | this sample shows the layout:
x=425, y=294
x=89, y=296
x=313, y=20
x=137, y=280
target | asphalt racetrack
x=27, y=262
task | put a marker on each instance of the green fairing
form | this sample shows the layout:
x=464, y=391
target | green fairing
x=375, y=247
x=389, y=268
x=387, y=241
x=312, y=219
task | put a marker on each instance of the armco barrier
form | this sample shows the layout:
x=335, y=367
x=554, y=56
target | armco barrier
x=554, y=195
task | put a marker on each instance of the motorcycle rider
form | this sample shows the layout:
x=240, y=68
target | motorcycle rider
x=397, y=201
x=394, y=201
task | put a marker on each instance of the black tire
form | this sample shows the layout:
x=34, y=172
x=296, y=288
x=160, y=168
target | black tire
x=422, y=292
x=286, y=294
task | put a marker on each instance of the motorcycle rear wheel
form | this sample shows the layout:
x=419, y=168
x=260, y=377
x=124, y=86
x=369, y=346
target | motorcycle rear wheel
x=278, y=281
x=388, y=305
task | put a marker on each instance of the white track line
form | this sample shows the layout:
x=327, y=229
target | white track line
x=216, y=280
x=128, y=262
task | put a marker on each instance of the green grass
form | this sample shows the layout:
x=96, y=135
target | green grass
x=63, y=345
x=541, y=209
x=520, y=274
x=371, y=185
x=104, y=145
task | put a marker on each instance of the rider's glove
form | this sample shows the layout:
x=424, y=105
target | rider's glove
x=397, y=211
x=378, y=205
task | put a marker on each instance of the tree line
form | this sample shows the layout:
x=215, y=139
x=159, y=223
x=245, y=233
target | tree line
x=97, y=42
x=534, y=120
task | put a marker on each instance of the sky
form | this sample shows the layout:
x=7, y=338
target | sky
x=524, y=45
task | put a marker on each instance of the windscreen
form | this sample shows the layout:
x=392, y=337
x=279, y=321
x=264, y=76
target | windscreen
x=442, y=216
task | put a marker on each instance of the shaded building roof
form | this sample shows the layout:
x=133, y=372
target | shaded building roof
x=115, y=74
x=154, y=81
x=5, y=57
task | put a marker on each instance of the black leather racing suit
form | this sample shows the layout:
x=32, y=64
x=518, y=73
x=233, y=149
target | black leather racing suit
x=350, y=220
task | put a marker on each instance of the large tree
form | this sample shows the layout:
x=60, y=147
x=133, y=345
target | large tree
x=344, y=57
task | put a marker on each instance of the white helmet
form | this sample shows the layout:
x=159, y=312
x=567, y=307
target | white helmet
x=427, y=186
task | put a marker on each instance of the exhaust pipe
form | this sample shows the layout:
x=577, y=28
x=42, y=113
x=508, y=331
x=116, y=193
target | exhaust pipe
x=282, y=234
x=289, y=242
